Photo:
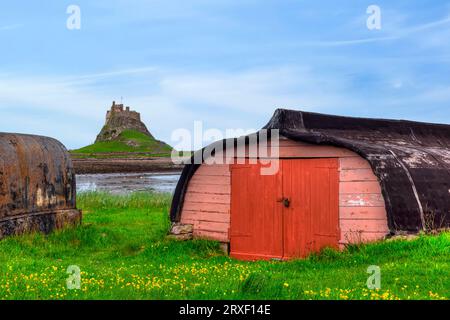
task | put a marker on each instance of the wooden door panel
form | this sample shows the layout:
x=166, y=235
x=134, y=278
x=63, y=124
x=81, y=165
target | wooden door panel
x=297, y=232
x=256, y=217
x=262, y=227
x=311, y=221
x=325, y=204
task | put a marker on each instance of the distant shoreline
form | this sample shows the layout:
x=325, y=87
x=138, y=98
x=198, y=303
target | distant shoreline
x=125, y=165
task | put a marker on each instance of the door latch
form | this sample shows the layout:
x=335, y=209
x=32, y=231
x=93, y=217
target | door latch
x=286, y=202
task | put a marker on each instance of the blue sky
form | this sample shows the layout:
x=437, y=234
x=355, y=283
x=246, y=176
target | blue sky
x=227, y=63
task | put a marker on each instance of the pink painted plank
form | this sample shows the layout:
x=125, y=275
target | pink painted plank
x=285, y=142
x=314, y=152
x=355, y=237
x=207, y=216
x=208, y=226
x=266, y=162
x=219, y=180
x=188, y=220
x=359, y=187
x=290, y=144
x=218, y=236
x=213, y=170
x=364, y=225
x=356, y=162
x=361, y=200
x=213, y=226
x=303, y=151
x=209, y=198
x=356, y=213
x=202, y=188
x=357, y=175
x=206, y=207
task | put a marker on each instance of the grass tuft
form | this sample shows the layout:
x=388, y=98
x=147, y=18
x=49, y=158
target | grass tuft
x=137, y=200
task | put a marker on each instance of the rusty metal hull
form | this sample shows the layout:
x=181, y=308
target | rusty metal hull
x=37, y=185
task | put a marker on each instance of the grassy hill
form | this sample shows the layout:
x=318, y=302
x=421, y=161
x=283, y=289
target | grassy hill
x=129, y=141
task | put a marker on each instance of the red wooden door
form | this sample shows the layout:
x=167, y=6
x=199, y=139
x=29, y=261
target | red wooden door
x=311, y=222
x=262, y=227
x=256, y=222
x=297, y=219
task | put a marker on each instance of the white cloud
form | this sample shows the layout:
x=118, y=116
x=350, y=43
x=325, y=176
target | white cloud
x=48, y=95
x=393, y=33
x=224, y=100
x=72, y=109
x=254, y=91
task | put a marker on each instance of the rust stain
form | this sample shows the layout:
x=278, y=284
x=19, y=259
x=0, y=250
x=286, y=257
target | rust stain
x=37, y=184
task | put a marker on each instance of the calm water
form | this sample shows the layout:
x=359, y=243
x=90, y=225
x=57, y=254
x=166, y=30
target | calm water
x=122, y=183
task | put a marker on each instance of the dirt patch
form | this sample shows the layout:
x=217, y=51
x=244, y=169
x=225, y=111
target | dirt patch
x=93, y=166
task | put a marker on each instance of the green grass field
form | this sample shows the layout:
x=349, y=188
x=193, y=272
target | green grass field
x=128, y=141
x=123, y=253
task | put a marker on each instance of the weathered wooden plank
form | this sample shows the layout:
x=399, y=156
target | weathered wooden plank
x=219, y=227
x=208, y=198
x=359, y=187
x=213, y=227
x=355, y=162
x=206, y=207
x=210, y=235
x=211, y=189
x=187, y=219
x=364, y=226
x=219, y=180
x=356, y=213
x=361, y=237
x=314, y=152
x=357, y=175
x=361, y=200
x=299, y=151
x=213, y=217
x=291, y=143
x=213, y=170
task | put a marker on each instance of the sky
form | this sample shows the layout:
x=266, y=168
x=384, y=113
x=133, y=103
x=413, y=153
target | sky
x=227, y=63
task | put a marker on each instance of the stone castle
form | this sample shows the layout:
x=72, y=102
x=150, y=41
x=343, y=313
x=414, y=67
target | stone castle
x=119, y=109
x=119, y=119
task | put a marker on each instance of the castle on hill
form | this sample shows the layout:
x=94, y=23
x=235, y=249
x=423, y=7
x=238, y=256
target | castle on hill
x=118, y=109
x=119, y=119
